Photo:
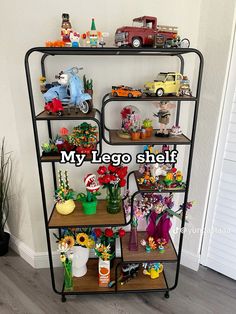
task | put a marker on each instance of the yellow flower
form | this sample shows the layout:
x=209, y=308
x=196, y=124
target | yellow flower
x=62, y=258
x=69, y=240
x=91, y=244
x=105, y=256
x=82, y=239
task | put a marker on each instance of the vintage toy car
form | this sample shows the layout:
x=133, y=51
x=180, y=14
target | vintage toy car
x=143, y=32
x=166, y=83
x=125, y=91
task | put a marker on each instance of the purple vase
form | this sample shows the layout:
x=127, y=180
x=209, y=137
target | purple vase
x=133, y=239
x=162, y=229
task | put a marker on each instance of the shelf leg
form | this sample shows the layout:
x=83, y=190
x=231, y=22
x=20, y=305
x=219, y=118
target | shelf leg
x=63, y=298
x=167, y=295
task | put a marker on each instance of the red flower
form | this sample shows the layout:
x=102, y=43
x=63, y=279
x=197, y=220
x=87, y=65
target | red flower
x=98, y=232
x=173, y=170
x=107, y=179
x=102, y=170
x=122, y=172
x=112, y=168
x=113, y=178
x=63, y=131
x=100, y=180
x=121, y=233
x=122, y=183
x=109, y=233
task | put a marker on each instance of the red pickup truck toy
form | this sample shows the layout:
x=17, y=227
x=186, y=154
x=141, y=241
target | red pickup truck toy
x=146, y=32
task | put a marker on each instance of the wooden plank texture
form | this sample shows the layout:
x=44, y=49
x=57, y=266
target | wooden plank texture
x=78, y=218
x=141, y=255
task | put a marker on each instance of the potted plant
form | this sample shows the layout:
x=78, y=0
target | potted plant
x=89, y=201
x=108, y=237
x=88, y=86
x=64, y=196
x=5, y=177
x=147, y=124
x=135, y=133
x=113, y=179
x=80, y=240
x=50, y=149
x=84, y=138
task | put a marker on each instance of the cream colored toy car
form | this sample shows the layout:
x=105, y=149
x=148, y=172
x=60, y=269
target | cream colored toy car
x=166, y=83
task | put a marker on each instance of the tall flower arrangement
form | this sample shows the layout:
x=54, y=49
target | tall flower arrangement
x=113, y=178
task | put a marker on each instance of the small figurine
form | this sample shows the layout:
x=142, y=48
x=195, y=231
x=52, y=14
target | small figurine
x=95, y=38
x=74, y=38
x=184, y=89
x=128, y=271
x=164, y=118
x=161, y=244
x=152, y=269
x=66, y=29
x=176, y=130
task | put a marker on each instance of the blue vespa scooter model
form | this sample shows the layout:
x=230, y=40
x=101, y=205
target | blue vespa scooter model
x=70, y=91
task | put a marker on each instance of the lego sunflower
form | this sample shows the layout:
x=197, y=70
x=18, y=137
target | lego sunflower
x=69, y=240
x=82, y=239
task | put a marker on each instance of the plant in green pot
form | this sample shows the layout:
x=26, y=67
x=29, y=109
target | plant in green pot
x=5, y=178
x=89, y=201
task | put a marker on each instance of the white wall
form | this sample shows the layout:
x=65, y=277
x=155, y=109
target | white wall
x=40, y=21
x=215, y=34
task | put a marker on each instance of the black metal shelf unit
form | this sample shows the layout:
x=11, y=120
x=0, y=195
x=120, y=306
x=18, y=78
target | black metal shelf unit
x=141, y=284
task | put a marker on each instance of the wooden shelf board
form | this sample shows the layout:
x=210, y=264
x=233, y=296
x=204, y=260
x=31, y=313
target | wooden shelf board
x=171, y=140
x=73, y=116
x=58, y=158
x=79, y=219
x=142, y=256
x=89, y=282
x=144, y=188
x=152, y=98
x=144, y=282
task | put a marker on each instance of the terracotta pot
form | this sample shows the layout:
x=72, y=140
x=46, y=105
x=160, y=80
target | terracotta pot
x=149, y=131
x=135, y=136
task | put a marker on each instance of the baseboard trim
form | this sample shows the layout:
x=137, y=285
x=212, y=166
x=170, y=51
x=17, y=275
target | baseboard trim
x=36, y=260
x=40, y=260
x=190, y=260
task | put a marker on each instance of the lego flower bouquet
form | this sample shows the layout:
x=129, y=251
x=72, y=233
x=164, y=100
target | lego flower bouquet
x=80, y=240
x=113, y=179
x=64, y=196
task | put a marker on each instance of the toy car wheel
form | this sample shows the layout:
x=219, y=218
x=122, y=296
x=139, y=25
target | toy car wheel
x=115, y=94
x=59, y=113
x=185, y=43
x=159, y=92
x=130, y=95
x=84, y=107
x=136, y=42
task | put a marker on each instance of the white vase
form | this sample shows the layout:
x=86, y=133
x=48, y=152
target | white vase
x=80, y=259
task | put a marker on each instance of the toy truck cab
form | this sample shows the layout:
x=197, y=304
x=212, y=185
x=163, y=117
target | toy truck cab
x=140, y=34
x=166, y=83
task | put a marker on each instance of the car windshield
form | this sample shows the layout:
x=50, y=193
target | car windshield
x=137, y=24
x=161, y=77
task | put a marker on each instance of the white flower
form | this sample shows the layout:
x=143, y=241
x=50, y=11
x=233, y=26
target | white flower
x=63, y=247
x=143, y=242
